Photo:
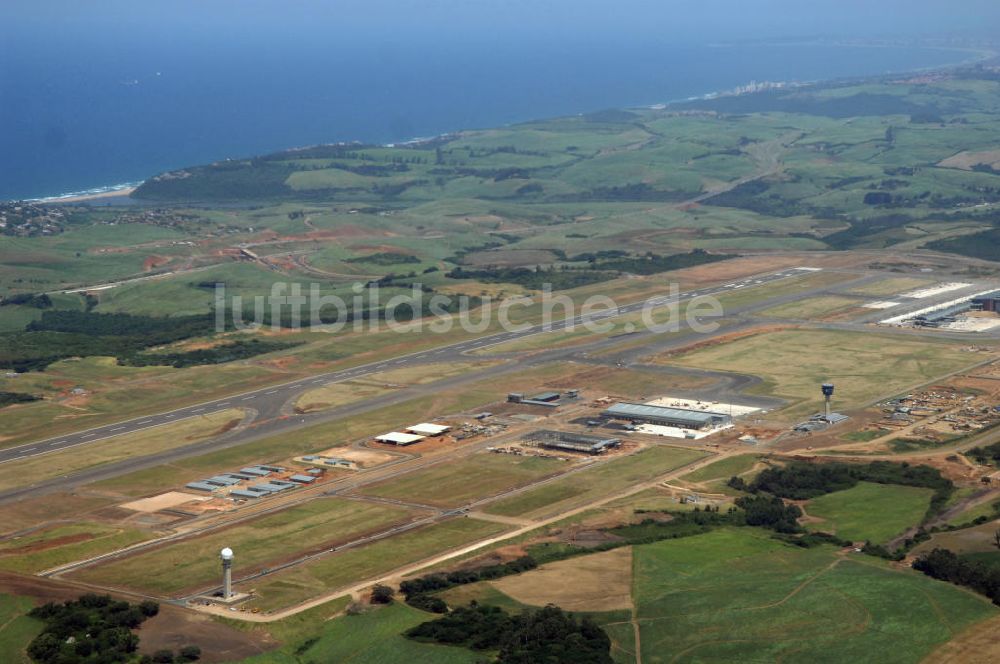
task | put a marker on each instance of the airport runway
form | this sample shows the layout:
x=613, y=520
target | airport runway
x=268, y=401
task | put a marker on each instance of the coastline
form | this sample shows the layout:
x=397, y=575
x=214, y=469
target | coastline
x=112, y=191
x=976, y=54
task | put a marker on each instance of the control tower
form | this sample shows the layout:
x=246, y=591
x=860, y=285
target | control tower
x=827, y=395
x=227, y=573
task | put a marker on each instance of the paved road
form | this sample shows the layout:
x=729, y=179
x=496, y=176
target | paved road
x=267, y=402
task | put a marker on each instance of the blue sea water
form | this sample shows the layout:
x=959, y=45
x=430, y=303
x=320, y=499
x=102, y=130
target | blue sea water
x=95, y=114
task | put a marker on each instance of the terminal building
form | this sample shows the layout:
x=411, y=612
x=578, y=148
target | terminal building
x=683, y=418
x=988, y=302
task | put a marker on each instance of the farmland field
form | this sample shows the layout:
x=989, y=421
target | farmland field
x=875, y=512
x=733, y=595
x=16, y=629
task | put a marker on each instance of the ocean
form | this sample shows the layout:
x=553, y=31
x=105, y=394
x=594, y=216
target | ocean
x=79, y=119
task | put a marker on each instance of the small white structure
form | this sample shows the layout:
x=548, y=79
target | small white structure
x=227, y=572
x=399, y=438
x=428, y=429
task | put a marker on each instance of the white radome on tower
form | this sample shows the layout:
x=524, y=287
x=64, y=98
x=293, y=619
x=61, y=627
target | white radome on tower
x=227, y=553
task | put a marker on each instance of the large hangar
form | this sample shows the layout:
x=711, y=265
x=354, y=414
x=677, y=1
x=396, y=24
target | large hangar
x=663, y=416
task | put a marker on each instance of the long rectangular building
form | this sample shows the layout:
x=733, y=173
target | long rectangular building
x=663, y=416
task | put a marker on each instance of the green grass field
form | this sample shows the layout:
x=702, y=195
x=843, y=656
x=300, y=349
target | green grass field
x=371, y=560
x=374, y=637
x=458, y=483
x=119, y=448
x=875, y=512
x=818, y=308
x=892, y=286
x=864, y=366
x=723, y=469
x=16, y=629
x=193, y=564
x=605, y=478
x=58, y=545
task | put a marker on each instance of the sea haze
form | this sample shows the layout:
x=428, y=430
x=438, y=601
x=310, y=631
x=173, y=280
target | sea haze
x=102, y=113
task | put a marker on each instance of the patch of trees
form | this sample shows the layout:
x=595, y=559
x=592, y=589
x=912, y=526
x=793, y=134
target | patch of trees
x=231, y=352
x=771, y=513
x=42, y=301
x=878, y=198
x=947, y=566
x=93, y=628
x=10, y=398
x=861, y=231
x=535, y=279
x=373, y=170
x=384, y=258
x=244, y=180
x=603, y=266
x=985, y=168
x=802, y=481
x=638, y=192
x=750, y=196
x=654, y=263
x=58, y=335
x=984, y=245
x=985, y=455
x=594, y=256
x=158, y=330
x=548, y=635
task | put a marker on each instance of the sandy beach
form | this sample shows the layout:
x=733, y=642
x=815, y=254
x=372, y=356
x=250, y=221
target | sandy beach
x=90, y=197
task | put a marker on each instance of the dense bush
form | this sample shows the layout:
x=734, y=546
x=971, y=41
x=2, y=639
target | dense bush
x=42, y=301
x=985, y=455
x=801, y=481
x=417, y=590
x=8, y=398
x=237, y=350
x=547, y=635
x=535, y=279
x=947, y=566
x=384, y=258
x=93, y=628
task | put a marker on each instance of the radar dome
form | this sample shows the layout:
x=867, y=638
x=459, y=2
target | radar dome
x=227, y=553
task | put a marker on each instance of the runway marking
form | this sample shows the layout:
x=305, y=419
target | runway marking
x=198, y=410
x=30, y=449
x=89, y=435
x=116, y=429
x=144, y=422
x=271, y=392
x=252, y=396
